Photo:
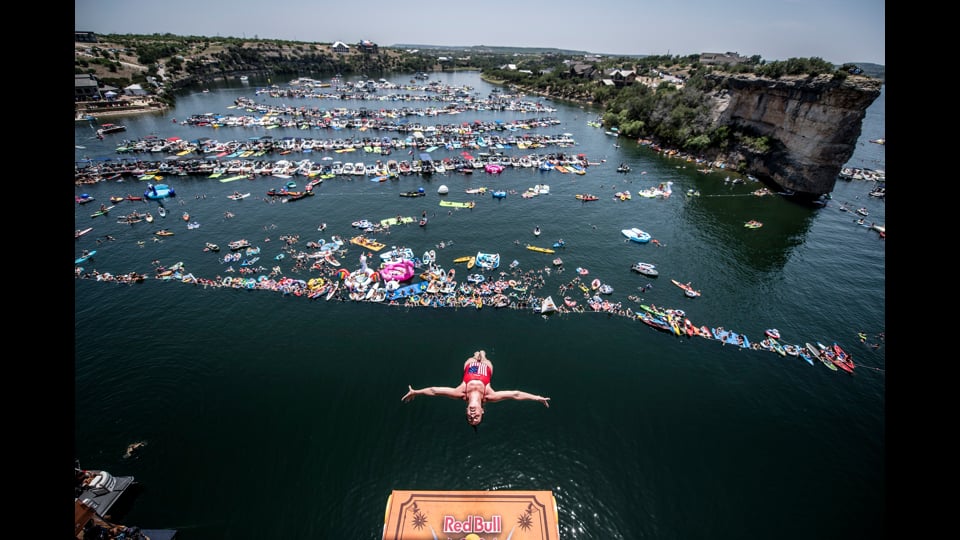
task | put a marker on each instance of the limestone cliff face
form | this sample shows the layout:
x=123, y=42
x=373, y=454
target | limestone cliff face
x=814, y=123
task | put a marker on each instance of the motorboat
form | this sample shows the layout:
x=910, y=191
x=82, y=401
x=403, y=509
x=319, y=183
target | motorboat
x=98, y=489
x=106, y=129
x=237, y=245
x=87, y=524
x=646, y=269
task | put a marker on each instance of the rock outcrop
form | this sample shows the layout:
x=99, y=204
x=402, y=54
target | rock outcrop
x=813, y=123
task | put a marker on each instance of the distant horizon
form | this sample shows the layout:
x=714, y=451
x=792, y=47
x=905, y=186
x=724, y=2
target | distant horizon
x=434, y=46
x=600, y=53
x=838, y=32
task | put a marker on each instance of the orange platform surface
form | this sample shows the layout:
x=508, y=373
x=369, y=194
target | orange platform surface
x=471, y=515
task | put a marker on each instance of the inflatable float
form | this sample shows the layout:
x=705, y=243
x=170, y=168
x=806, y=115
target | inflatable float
x=398, y=271
x=159, y=191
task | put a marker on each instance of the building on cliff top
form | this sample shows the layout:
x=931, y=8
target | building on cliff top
x=718, y=59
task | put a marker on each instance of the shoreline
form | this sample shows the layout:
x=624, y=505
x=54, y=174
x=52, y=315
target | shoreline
x=82, y=115
x=85, y=110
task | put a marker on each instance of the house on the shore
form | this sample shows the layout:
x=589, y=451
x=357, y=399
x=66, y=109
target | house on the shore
x=86, y=87
x=581, y=70
x=85, y=37
x=618, y=77
x=135, y=90
x=340, y=47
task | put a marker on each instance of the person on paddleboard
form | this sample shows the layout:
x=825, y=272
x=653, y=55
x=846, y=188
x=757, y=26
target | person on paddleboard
x=475, y=389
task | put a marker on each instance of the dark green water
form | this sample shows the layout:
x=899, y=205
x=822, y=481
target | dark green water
x=272, y=416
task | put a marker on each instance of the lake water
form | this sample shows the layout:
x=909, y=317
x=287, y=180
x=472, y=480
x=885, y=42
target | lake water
x=276, y=416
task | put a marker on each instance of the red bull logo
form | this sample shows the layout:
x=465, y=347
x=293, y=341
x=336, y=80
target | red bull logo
x=472, y=524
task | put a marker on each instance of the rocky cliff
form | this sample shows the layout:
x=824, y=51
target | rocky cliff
x=813, y=123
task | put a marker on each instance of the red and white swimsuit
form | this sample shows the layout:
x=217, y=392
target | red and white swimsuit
x=477, y=371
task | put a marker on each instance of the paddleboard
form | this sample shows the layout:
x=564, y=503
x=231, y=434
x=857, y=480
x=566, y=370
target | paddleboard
x=456, y=204
x=232, y=178
x=393, y=220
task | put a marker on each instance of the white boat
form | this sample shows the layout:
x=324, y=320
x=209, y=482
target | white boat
x=397, y=254
x=111, y=128
x=99, y=489
x=646, y=269
x=238, y=196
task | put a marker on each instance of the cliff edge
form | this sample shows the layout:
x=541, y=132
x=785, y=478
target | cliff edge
x=813, y=122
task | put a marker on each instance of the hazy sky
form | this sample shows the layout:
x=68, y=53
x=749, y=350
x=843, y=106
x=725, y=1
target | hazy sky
x=837, y=31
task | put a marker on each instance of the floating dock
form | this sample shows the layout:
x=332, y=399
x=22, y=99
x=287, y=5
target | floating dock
x=471, y=515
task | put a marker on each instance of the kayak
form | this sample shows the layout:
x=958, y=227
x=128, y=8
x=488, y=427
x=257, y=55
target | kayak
x=825, y=356
x=85, y=258
x=652, y=311
x=687, y=289
x=101, y=212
